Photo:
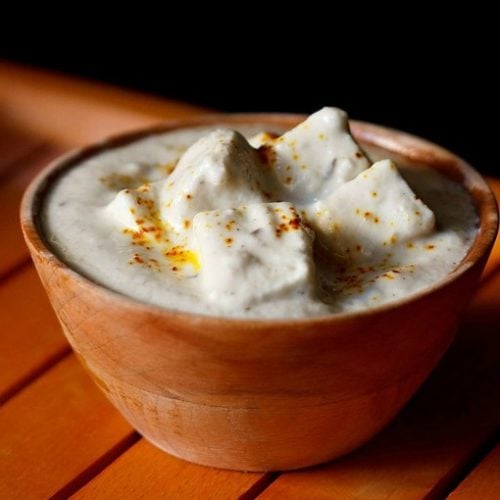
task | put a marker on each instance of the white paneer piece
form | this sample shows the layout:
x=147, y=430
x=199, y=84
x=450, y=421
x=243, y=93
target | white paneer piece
x=221, y=170
x=370, y=214
x=254, y=253
x=131, y=209
x=316, y=157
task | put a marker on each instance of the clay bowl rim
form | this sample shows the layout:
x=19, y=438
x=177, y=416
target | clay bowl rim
x=413, y=148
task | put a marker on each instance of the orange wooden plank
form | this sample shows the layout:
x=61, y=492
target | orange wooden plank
x=31, y=338
x=143, y=471
x=13, y=250
x=94, y=111
x=15, y=144
x=494, y=260
x=431, y=441
x=55, y=432
x=72, y=111
x=38, y=107
x=483, y=482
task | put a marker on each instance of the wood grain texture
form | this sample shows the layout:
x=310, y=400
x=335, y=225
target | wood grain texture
x=27, y=143
x=427, y=446
x=143, y=471
x=483, y=482
x=70, y=111
x=95, y=111
x=198, y=389
x=31, y=337
x=53, y=431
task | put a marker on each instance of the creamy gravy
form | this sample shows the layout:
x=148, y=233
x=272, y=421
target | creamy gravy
x=262, y=247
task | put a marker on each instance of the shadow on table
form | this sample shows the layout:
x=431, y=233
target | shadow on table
x=450, y=422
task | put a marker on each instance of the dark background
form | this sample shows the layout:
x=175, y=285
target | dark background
x=445, y=92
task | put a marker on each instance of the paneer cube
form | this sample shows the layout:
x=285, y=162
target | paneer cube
x=254, y=253
x=371, y=213
x=221, y=170
x=315, y=158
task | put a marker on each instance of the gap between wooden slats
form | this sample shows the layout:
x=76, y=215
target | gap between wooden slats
x=37, y=123
x=483, y=482
x=20, y=260
x=57, y=428
x=452, y=418
x=62, y=432
x=31, y=340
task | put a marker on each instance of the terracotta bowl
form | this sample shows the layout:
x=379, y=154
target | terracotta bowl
x=260, y=394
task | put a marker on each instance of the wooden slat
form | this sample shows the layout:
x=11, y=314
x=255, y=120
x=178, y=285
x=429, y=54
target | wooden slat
x=70, y=111
x=427, y=446
x=41, y=115
x=31, y=338
x=146, y=472
x=15, y=144
x=494, y=260
x=13, y=250
x=484, y=481
x=27, y=347
x=41, y=454
x=56, y=432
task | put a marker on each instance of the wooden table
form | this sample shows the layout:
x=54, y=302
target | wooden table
x=60, y=437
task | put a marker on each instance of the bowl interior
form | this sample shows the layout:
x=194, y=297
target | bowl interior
x=396, y=144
